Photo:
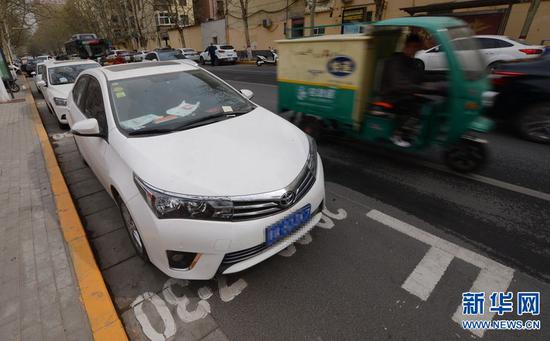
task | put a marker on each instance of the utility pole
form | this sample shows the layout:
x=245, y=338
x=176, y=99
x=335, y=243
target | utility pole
x=529, y=19
x=312, y=16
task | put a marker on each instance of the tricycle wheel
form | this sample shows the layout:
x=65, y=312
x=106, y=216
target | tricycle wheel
x=466, y=156
x=311, y=126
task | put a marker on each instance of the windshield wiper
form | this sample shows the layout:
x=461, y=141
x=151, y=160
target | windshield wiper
x=210, y=119
x=150, y=131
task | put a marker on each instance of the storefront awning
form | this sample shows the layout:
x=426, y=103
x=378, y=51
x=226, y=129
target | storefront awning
x=446, y=7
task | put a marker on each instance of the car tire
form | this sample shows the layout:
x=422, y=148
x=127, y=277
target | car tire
x=533, y=123
x=202, y=61
x=466, y=156
x=132, y=230
x=217, y=62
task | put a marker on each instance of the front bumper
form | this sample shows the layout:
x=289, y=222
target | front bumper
x=212, y=240
x=60, y=112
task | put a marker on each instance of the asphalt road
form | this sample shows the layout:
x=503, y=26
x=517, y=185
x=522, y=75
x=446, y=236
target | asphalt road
x=401, y=241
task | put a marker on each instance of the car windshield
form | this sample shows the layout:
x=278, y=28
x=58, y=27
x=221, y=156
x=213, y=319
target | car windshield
x=169, y=101
x=170, y=55
x=466, y=50
x=67, y=74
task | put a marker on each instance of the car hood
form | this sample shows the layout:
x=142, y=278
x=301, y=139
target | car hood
x=61, y=90
x=253, y=153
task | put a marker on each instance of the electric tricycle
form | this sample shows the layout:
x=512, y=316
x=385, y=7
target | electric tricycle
x=332, y=84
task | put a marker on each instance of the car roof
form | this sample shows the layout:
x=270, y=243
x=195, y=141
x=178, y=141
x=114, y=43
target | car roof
x=494, y=36
x=53, y=63
x=131, y=70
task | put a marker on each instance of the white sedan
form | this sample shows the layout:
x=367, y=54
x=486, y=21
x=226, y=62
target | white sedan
x=206, y=181
x=55, y=80
x=493, y=48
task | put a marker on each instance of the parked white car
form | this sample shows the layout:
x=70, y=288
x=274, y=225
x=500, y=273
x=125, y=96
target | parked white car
x=163, y=55
x=190, y=53
x=494, y=48
x=224, y=54
x=206, y=181
x=56, y=80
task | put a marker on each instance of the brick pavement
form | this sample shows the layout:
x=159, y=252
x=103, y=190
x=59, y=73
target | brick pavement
x=39, y=297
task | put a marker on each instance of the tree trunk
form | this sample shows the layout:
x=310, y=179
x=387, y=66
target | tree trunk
x=244, y=12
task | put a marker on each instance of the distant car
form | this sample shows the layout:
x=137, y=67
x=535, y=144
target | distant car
x=523, y=98
x=494, y=48
x=224, y=54
x=31, y=65
x=56, y=82
x=118, y=57
x=190, y=54
x=140, y=55
x=163, y=55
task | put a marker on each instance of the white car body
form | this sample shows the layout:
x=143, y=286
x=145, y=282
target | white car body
x=225, y=55
x=52, y=92
x=190, y=54
x=269, y=157
x=493, y=48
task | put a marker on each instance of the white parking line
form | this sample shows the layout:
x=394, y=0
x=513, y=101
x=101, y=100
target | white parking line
x=422, y=281
x=493, y=276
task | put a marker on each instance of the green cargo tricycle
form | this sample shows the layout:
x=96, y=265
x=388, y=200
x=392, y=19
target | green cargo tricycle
x=331, y=84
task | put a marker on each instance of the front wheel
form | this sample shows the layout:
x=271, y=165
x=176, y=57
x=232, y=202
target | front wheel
x=203, y=62
x=311, y=126
x=14, y=87
x=534, y=123
x=466, y=156
x=132, y=230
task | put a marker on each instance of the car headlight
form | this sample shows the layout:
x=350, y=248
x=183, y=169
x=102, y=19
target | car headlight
x=312, y=157
x=62, y=102
x=166, y=205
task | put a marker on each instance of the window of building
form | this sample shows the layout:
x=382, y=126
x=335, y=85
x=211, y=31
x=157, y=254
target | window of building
x=318, y=31
x=297, y=29
x=219, y=9
x=163, y=18
x=184, y=20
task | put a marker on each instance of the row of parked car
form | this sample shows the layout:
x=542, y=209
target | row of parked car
x=157, y=134
x=224, y=54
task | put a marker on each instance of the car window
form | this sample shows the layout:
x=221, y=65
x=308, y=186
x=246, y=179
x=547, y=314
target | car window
x=503, y=43
x=172, y=99
x=226, y=47
x=67, y=74
x=170, y=55
x=94, y=107
x=151, y=56
x=488, y=43
x=78, y=90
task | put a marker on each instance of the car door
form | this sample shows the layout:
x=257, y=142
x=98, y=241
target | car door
x=94, y=148
x=206, y=55
x=489, y=49
x=435, y=59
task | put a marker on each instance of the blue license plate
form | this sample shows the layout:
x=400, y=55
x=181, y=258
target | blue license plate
x=287, y=225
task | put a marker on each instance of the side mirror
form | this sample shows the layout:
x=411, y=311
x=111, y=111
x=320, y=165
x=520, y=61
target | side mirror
x=41, y=83
x=247, y=93
x=88, y=127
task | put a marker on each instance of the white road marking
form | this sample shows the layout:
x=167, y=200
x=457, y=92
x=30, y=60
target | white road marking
x=493, y=276
x=288, y=251
x=340, y=215
x=325, y=222
x=202, y=310
x=162, y=309
x=491, y=181
x=487, y=281
x=306, y=239
x=228, y=293
x=422, y=281
x=205, y=293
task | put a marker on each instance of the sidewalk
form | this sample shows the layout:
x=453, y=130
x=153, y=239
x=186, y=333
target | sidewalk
x=39, y=297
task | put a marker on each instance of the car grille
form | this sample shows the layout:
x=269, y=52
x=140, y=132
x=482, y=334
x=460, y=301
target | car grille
x=239, y=256
x=257, y=208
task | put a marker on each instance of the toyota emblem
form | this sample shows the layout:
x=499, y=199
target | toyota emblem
x=287, y=199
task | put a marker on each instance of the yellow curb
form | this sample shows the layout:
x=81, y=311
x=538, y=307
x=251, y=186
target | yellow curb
x=99, y=307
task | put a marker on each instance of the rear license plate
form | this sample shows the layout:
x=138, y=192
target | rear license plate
x=287, y=225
